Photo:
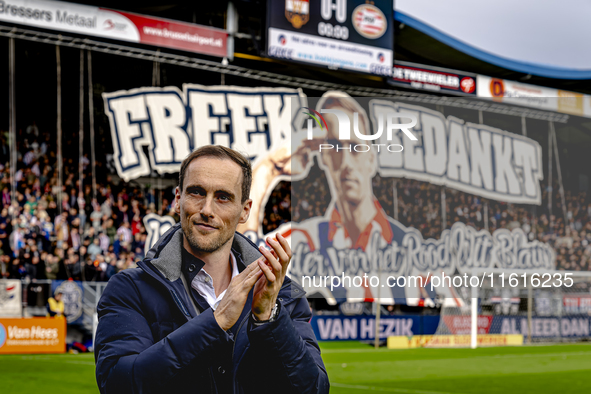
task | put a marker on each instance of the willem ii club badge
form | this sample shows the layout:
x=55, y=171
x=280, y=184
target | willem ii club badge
x=297, y=12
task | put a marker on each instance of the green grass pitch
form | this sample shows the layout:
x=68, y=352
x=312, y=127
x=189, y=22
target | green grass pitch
x=356, y=368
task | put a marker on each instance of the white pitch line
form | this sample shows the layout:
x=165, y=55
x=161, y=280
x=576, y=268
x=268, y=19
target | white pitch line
x=390, y=390
x=497, y=356
x=372, y=350
x=59, y=355
x=59, y=358
x=80, y=362
x=350, y=350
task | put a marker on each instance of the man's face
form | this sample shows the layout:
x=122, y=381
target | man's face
x=351, y=172
x=210, y=205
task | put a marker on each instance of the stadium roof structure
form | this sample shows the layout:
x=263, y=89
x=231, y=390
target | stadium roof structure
x=250, y=66
x=415, y=40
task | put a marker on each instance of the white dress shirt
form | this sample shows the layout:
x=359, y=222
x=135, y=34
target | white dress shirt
x=203, y=283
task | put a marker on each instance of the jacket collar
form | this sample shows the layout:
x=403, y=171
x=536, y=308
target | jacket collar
x=166, y=254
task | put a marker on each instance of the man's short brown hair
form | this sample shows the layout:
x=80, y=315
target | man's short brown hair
x=221, y=152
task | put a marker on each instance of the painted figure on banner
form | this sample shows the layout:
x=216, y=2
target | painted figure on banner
x=355, y=236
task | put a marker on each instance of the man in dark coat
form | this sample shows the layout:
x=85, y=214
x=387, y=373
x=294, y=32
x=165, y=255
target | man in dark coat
x=207, y=311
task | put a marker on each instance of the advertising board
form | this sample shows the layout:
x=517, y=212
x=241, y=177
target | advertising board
x=32, y=335
x=116, y=25
x=433, y=79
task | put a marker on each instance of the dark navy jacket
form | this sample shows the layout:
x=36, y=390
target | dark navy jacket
x=151, y=339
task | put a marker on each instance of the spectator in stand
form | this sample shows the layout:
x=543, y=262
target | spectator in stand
x=17, y=270
x=138, y=245
x=124, y=232
x=118, y=208
x=94, y=249
x=74, y=240
x=51, y=266
x=4, y=266
x=110, y=230
x=96, y=217
x=419, y=206
x=49, y=231
x=111, y=268
x=104, y=242
x=55, y=305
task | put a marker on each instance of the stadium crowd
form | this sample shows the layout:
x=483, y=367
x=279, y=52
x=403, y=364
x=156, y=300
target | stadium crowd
x=83, y=238
x=91, y=238
x=419, y=206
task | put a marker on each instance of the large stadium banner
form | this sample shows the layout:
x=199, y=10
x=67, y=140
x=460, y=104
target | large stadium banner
x=411, y=195
x=353, y=35
x=474, y=158
x=116, y=25
x=172, y=123
x=10, y=298
x=356, y=251
x=156, y=226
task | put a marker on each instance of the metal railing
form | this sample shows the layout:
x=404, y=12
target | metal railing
x=91, y=294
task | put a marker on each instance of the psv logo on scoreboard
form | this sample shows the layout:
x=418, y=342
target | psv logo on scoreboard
x=369, y=21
